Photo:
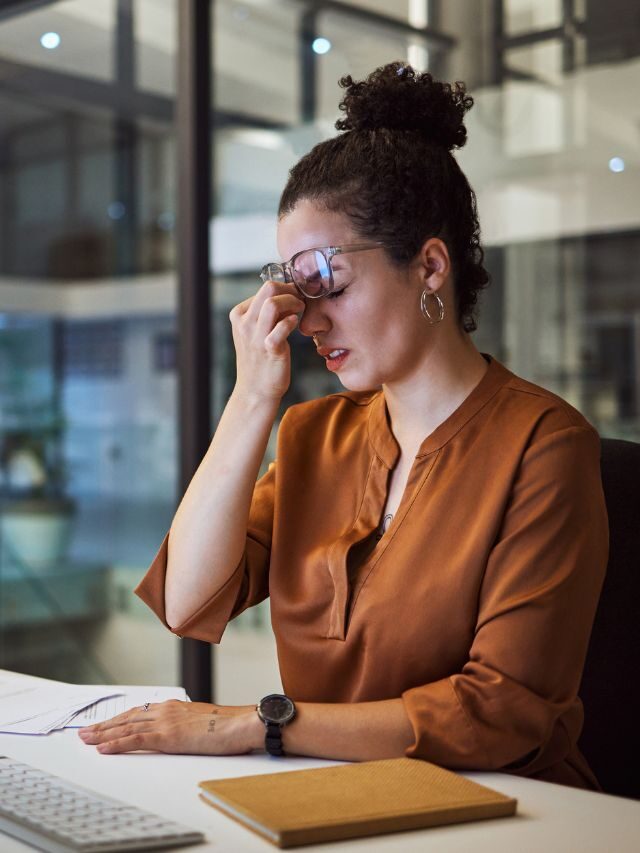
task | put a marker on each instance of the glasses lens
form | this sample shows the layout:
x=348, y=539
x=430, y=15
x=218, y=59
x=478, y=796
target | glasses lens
x=312, y=274
x=273, y=272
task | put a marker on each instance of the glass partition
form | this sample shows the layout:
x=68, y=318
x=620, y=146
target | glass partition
x=88, y=450
x=87, y=264
x=553, y=157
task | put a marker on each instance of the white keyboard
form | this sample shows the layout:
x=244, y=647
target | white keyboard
x=57, y=816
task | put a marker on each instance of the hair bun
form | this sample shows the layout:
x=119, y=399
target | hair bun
x=396, y=97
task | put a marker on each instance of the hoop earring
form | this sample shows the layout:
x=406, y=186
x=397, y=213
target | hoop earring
x=433, y=321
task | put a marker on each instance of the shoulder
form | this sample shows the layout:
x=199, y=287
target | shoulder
x=345, y=407
x=533, y=440
x=328, y=428
x=518, y=419
x=524, y=407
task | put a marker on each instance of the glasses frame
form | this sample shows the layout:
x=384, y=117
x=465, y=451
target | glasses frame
x=328, y=253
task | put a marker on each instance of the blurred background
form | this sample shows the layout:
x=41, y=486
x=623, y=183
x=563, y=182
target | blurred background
x=89, y=449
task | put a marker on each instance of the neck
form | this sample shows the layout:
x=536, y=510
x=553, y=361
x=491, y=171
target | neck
x=446, y=376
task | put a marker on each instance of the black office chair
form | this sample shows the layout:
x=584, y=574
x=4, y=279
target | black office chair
x=610, y=685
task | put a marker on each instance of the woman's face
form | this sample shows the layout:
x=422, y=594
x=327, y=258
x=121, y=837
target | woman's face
x=373, y=314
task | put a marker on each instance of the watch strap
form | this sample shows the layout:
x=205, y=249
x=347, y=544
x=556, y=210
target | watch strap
x=273, y=739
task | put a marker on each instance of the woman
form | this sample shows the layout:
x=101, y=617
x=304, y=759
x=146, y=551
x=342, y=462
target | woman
x=434, y=538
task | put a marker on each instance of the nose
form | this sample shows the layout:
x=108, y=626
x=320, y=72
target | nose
x=314, y=319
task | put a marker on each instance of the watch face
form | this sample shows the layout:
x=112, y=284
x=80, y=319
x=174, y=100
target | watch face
x=277, y=709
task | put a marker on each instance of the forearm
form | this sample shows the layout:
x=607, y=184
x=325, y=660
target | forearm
x=362, y=731
x=346, y=732
x=208, y=533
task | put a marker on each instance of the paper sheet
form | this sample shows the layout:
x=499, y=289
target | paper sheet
x=38, y=710
x=131, y=697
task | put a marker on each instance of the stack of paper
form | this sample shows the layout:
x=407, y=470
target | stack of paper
x=41, y=709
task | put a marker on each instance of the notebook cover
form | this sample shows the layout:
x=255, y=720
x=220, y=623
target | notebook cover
x=352, y=800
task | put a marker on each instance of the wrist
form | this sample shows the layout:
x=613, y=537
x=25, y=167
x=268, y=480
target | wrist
x=252, y=401
x=255, y=730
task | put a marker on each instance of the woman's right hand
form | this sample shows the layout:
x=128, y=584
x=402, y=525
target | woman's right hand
x=261, y=326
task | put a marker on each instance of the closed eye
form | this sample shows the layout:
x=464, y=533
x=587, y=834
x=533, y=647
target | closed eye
x=335, y=293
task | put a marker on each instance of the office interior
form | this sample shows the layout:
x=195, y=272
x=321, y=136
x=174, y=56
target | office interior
x=89, y=368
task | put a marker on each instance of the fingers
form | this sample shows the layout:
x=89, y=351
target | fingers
x=276, y=339
x=273, y=288
x=120, y=719
x=126, y=730
x=269, y=289
x=132, y=730
x=260, y=328
x=93, y=733
x=130, y=743
x=274, y=310
x=241, y=308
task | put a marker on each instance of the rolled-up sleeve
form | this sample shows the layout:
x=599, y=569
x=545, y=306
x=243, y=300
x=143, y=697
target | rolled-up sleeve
x=245, y=587
x=536, y=607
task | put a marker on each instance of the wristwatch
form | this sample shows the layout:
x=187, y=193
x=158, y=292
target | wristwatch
x=275, y=711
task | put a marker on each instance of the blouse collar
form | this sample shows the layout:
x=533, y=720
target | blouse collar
x=383, y=441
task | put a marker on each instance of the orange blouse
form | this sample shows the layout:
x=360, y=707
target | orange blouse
x=476, y=605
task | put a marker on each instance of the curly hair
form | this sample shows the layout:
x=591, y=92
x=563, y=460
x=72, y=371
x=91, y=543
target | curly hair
x=392, y=173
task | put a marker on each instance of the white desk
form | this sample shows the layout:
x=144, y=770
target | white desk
x=551, y=818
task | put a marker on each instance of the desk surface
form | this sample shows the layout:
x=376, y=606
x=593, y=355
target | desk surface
x=551, y=818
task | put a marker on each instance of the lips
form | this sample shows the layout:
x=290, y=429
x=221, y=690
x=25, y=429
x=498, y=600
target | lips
x=336, y=359
x=331, y=352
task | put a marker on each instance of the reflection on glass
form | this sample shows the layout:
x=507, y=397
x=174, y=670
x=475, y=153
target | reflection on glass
x=358, y=47
x=64, y=38
x=562, y=226
x=155, y=25
x=527, y=15
x=256, y=74
x=538, y=62
x=401, y=9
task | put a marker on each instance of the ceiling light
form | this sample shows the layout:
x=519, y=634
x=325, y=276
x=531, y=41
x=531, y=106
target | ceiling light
x=321, y=45
x=116, y=210
x=166, y=220
x=50, y=41
x=616, y=164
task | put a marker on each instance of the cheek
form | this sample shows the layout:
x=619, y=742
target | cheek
x=394, y=319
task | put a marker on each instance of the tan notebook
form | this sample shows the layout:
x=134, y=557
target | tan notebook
x=352, y=800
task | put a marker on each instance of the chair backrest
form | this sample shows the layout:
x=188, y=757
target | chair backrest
x=610, y=687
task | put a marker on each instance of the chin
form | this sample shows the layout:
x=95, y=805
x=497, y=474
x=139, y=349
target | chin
x=359, y=383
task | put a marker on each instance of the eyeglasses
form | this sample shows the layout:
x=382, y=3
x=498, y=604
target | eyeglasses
x=310, y=270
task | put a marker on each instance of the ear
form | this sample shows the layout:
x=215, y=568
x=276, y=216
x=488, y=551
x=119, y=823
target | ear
x=434, y=264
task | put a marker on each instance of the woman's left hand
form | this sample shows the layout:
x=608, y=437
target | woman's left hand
x=195, y=728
